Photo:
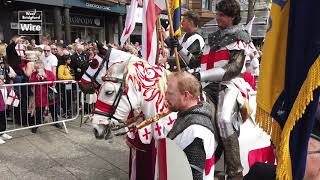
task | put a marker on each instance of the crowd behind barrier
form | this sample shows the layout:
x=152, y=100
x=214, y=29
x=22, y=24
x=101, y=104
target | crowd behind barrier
x=36, y=104
x=32, y=105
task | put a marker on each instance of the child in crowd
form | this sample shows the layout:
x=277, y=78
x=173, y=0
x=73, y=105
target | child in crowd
x=4, y=78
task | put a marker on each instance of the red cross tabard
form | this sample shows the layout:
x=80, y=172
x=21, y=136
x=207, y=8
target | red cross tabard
x=158, y=129
x=146, y=135
x=170, y=121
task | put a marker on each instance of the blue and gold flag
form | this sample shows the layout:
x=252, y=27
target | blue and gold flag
x=289, y=82
x=176, y=11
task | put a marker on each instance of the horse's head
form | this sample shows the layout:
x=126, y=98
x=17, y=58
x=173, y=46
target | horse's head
x=92, y=78
x=128, y=89
x=113, y=104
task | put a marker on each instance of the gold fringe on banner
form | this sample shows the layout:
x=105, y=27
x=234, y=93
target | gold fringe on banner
x=281, y=138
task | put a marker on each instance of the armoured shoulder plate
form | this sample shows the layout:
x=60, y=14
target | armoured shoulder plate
x=222, y=38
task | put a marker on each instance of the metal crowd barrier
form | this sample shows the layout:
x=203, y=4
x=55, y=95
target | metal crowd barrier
x=30, y=105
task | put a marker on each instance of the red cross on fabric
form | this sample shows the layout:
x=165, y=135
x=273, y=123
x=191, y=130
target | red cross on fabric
x=133, y=130
x=13, y=99
x=146, y=135
x=170, y=121
x=158, y=129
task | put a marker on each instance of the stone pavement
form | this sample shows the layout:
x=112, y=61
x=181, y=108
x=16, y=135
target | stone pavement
x=53, y=154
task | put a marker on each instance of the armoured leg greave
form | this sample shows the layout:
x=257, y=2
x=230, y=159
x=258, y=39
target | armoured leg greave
x=227, y=122
x=232, y=157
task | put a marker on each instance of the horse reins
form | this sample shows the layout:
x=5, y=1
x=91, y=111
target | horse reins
x=116, y=102
x=104, y=59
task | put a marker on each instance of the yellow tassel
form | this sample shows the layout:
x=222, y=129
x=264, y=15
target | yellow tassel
x=281, y=137
x=305, y=96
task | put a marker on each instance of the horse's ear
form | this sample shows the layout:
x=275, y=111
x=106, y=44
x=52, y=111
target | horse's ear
x=102, y=50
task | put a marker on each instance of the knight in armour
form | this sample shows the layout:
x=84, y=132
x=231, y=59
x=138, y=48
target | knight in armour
x=190, y=44
x=221, y=71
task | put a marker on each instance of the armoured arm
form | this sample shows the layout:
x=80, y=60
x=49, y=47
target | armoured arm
x=192, y=54
x=189, y=56
x=227, y=72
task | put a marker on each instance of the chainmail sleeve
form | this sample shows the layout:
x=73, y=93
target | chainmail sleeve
x=197, y=157
x=195, y=56
x=235, y=65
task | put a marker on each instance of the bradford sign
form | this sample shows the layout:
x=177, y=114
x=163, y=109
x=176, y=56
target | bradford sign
x=30, y=22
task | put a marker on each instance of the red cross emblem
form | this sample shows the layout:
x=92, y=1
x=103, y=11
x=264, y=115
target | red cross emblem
x=171, y=121
x=14, y=98
x=146, y=135
x=158, y=129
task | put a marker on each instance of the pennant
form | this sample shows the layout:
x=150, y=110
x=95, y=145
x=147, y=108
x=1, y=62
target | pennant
x=289, y=82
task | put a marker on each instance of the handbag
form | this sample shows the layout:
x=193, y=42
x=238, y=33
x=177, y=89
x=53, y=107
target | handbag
x=52, y=93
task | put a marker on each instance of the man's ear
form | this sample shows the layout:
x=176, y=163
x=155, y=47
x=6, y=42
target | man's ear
x=187, y=94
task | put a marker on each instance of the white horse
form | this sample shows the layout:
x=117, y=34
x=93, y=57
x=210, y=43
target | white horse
x=136, y=87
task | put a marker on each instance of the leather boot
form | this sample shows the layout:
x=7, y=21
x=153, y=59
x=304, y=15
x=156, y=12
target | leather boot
x=232, y=157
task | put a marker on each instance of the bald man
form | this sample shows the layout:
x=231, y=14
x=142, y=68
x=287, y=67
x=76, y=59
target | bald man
x=79, y=62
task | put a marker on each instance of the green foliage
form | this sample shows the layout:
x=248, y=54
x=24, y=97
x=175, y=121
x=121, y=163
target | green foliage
x=268, y=1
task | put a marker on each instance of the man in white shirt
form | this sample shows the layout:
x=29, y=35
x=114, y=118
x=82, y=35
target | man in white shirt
x=50, y=61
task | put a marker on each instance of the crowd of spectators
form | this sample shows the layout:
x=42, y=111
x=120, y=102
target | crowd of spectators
x=24, y=60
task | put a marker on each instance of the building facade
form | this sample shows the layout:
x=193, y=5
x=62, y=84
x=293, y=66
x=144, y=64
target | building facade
x=88, y=20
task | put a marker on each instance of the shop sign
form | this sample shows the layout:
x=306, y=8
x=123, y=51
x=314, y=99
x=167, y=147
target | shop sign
x=99, y=1
x=30, y=22
x=86, y=20
x=98, y=6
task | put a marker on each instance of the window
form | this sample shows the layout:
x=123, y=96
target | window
x=205, y=4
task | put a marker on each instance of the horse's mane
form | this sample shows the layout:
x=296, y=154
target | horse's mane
x=149, y=80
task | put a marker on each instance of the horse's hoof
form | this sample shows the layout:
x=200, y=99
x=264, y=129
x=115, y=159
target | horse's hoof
x=96, y=134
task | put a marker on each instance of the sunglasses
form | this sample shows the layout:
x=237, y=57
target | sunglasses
x=46, y=50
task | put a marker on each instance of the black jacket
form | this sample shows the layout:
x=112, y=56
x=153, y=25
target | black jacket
x=80, y=61
x=13, y=59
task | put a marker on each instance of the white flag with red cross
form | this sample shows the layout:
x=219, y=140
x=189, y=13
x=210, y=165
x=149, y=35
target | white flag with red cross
x=12, y=99
x=151, y=10
x=130, y=21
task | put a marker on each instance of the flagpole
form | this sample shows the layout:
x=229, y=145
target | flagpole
x=160, y=37
x=176, y=54
x=158, y=32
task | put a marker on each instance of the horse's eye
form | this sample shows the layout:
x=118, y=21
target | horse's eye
x=108, y=93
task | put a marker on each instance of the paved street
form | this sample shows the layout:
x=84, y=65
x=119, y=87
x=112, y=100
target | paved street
x=53, y=154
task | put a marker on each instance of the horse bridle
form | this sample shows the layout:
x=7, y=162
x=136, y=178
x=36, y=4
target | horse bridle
x=104, y=59
x=116, y=102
